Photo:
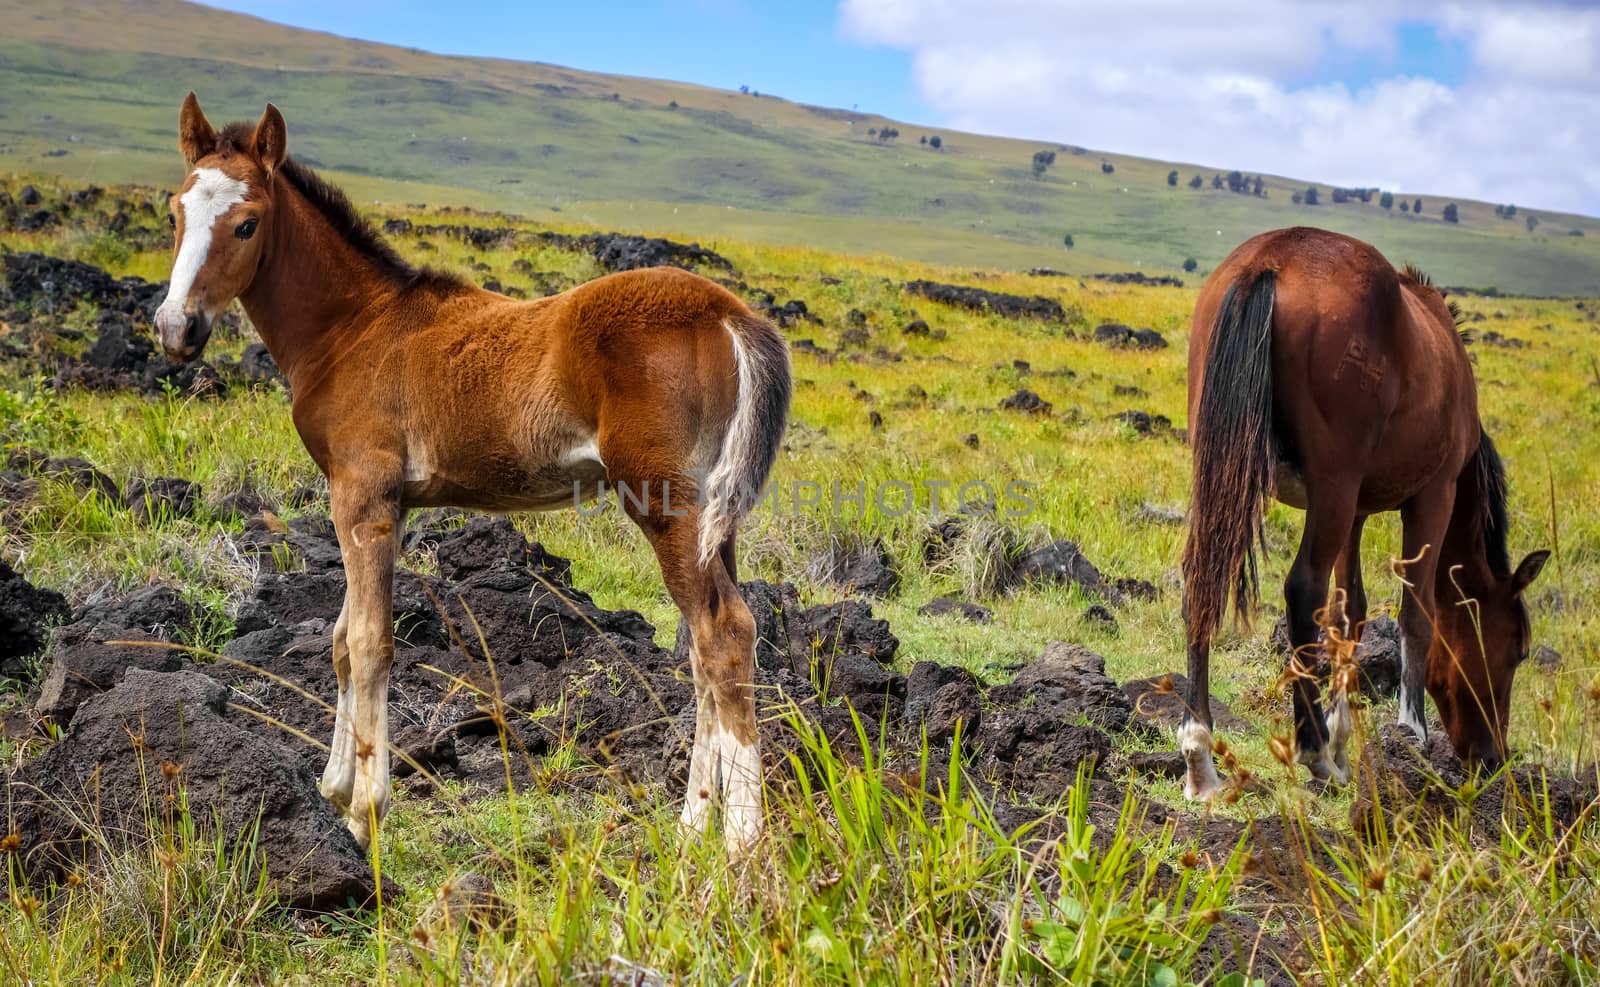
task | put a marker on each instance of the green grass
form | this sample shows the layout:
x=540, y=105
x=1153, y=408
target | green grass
x=867, y=880
x=103, y=81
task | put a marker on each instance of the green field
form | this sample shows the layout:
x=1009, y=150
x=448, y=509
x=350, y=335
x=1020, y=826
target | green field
x=862, y=883
x=873, y=874
x=103, y=80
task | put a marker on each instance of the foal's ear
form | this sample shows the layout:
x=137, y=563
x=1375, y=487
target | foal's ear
x=196, y=139
x=270, y=142
x=1529, y=570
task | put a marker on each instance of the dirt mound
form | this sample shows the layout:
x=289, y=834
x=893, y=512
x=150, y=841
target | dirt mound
x=1402, y=783
x=26, y=612
x=54, y=285
x=857, y=567
x=120, y=355
x=1160, y=700
x=131, y=749
x=1026, y=401
x=980, y=300
x=1117, y=335
x=625, y=252
x=1138, y=277
x=942, y=606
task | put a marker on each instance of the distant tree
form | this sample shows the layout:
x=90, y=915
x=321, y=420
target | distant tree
x=1574, y=232
x=1386, y=200
x=924, y=139
x=872, y=131
x=1416, y=207
x=1172, y=178
x=1216, y=181
x=1532, y=221
x=1311, y=195
x=1107, y=167
x=1450, y=215
x=888, y=134
x=1260, y=188
x=1196, y=182
x=1364, y=194
x=1405, y=205
x=1235, y=182
x=745, y=90
x=936, y=142
x=1297, y=198
x=1066, y=241
x=1190, y=265
x=1511, y=211
x=1041, y=161
x=672, y=105
x=1340, y=196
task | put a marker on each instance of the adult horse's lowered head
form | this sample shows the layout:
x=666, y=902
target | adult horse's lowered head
x=413, y=388
x=1320, y=375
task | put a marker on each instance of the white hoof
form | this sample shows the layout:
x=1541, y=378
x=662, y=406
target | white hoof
x=1200, y=781
x=1409, y=719
x=1340, y=726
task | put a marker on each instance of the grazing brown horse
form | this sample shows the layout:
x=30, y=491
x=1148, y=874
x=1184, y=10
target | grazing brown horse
x=412, y=388
x=1320, y=375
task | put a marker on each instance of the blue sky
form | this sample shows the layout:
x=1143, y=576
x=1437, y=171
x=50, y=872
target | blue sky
x=1488, y=99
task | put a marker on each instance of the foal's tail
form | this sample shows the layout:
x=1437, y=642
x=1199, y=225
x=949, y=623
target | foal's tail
x=750, y=444
x=1234, y=458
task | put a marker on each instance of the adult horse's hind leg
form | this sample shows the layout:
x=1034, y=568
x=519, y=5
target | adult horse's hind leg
x=366, y=515
x=1347, y=577
x=1330, y=515
x=1353, y=598
x=726, y=750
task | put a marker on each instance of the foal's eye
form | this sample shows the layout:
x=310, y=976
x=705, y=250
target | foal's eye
x=245, y=230
x=172, y=221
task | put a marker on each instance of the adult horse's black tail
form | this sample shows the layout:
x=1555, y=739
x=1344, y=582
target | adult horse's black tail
x=1234, y=458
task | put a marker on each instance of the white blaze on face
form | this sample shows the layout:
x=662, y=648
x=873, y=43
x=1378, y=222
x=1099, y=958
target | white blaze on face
x=208, y=199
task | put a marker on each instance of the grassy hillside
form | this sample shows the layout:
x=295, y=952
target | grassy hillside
x=867, y=879
x=102, y=81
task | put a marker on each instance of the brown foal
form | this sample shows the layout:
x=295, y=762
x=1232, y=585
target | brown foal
x=1320, y=375
x=412, y=388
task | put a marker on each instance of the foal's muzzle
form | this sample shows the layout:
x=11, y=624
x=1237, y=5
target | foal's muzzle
x=183, y=334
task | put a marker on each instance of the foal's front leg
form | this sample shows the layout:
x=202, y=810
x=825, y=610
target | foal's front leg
x=366, y=515
x=339, y=777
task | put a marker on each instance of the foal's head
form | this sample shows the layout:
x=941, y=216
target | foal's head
x=219, y=216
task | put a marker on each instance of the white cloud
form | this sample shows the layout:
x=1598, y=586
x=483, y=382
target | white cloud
x=1245, y=85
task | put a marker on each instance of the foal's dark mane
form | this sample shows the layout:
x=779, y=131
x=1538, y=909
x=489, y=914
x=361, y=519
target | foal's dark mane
x=334, y=206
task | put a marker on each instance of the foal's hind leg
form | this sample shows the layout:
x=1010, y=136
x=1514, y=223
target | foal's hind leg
x=1200, y=781
x=1330, y=515
x=722, y=650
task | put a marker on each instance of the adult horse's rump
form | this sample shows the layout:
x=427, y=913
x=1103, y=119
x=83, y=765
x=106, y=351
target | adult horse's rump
x=1320, y=375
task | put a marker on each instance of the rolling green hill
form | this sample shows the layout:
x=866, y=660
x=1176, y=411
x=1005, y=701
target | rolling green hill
x=102, y=80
